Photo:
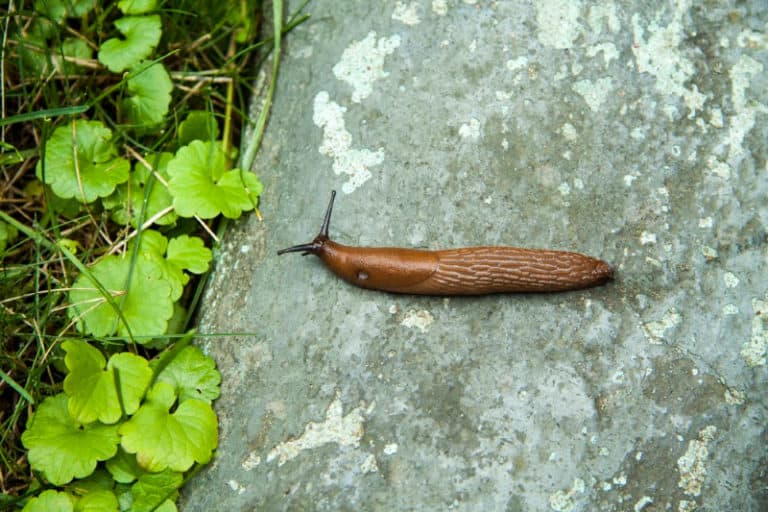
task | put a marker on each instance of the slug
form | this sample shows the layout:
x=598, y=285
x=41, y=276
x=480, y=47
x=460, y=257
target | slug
x=465, y=271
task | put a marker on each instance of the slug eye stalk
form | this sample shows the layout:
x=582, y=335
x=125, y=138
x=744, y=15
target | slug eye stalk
x=315, y=245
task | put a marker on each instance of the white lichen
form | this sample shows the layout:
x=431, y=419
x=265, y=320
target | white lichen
x=656, y=331
x=362, y=63
x=421, y=319
x=337, y=144
x=336, y=428
x=754, y=351
x=692, y=464
x=406, y=14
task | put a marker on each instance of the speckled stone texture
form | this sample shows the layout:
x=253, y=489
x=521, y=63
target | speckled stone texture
x=632, y=131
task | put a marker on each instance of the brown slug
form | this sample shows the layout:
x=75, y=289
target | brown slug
x=465, y=271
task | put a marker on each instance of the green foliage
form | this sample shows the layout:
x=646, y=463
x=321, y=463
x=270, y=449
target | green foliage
x=151, y=488
x=161, y=430
x=145, y=300
x=162, y=439
x=61, y=447
x=96, y=393
x=60, y=9
x=150, y=95
x=137, y=6
x=193, y=375
x=199, y=125
x=142, y=33
x=50, y=500
x=126, y=182
x=143, y=191
x=201, y=186
x=7, y=235
x=80, y=162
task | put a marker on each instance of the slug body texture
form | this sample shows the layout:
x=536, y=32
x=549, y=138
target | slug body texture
x=465, y=271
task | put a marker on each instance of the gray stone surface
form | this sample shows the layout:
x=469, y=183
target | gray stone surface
x=633, y=131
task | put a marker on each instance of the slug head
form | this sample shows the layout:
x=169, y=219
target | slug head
x=316, y=245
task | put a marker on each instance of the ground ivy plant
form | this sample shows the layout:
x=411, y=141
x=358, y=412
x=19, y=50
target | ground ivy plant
x=146, y=423
x=134, y=412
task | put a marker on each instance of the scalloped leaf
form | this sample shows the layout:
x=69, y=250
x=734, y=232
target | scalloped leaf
x=201, y=186
x=193, y=375
x=153, y=248
x=142, y=33
x=189, y=253
x=156, y=490
x=63, y=449
x=92, y=389
x=80, y=162
x=199, y=125
x=137, y=6
x=98, y=501
x=124, y=468
x=147, y=304
x=50, y=500
x=60, y=9
x=164, y=440
x=150, y=89
x=75, y=49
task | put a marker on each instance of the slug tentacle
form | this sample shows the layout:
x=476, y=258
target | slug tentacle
x=466, y=271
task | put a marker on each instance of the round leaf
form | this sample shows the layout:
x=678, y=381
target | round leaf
x=201, y=186
x=150, y=94
x=136, y=6
x=153, y=248
x=177, y=440
x=142, y=33
x=92, y=390
x=147, y=304
x=193, y=374
x=98, y=501
x=124, y=468
x=153, y=490
x=62, y=448
x=190, y=253
x=48, y=501
x=80, y=162
x=199, y=125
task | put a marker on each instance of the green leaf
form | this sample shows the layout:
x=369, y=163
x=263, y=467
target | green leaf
x=193, y=375
x=177, y=440
x=201, y=186
x=127, y=201
x=62, y=448
x=124, y=468
x=153, y=247
x=189, y=253
x=137, y=6
x=147, y=304
x=150, y=94
x=50, y=501
x=60, y=9
x=155, y=489
x=92, y=389
x=199, y=125
x=142, y=33
x=99, y=480
x=75, y=49
x=98, y=501
x=80, y=162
